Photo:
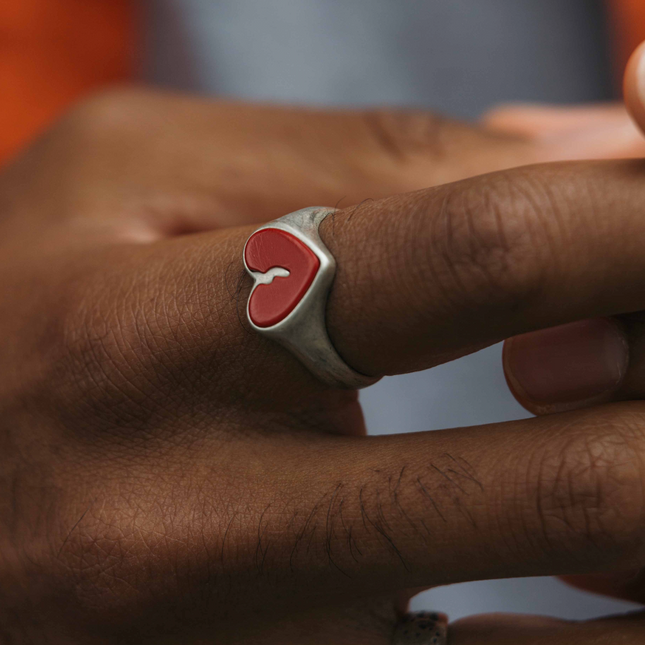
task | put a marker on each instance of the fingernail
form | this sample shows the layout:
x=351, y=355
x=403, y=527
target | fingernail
x=567, y=364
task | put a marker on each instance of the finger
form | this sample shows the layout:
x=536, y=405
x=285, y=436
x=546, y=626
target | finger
x=360, y=517
x=537, y=497
x=427, y=276
x=162, y=164
x=536, y=630
x=591, y=361
x=576, y=132
x=544, y=120
x=422, y=278
x=192, y=163
x=508, y=629
x=571, y=366
x=579, y=364
x=625, y=585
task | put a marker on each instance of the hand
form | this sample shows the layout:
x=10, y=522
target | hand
x=167, y=476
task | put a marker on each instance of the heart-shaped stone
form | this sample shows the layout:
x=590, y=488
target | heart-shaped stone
x=271, y=248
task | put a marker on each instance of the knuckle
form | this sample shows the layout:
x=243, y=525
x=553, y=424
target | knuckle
x=131, y=354
x=588, y=487
x=100, y=357
x=105, y=111
x=401, y=134
x=86, y=140
x=491, y=239
x=127, y=547
x=111, y=554
x=100, y=124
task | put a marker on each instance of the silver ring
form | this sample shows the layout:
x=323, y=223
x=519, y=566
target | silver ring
x=293, y=272
x=422, y=628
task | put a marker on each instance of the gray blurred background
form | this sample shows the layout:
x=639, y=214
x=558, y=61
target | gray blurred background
x=458, y=57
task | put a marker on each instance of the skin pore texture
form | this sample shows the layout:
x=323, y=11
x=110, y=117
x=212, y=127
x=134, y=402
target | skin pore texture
x=168, y=476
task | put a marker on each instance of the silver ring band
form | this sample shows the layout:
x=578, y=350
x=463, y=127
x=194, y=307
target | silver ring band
x=422, y=628
x=310, y=266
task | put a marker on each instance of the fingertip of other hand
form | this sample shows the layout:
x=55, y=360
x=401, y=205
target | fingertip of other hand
x=566, y=367
x=634, y=86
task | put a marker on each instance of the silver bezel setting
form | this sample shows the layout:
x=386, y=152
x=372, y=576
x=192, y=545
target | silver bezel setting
x=304, y=330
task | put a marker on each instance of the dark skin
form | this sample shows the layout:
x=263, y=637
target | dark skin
x=170, y=477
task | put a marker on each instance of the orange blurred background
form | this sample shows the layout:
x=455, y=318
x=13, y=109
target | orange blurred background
x=53, y=52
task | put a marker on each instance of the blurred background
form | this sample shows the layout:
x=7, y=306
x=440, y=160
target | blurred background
x=457, y=57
